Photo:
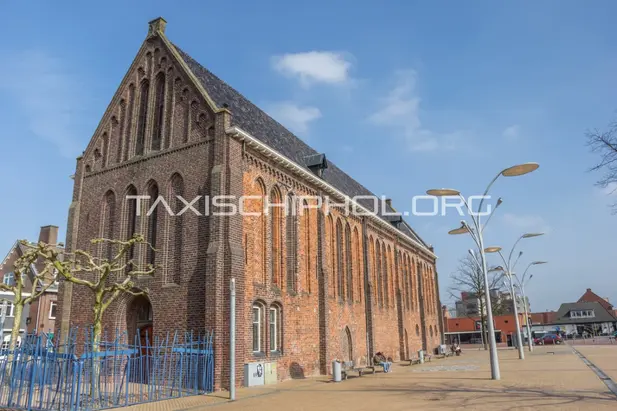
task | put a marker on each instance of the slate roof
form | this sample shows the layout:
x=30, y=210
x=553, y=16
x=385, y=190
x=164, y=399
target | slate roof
x=601, y=314
x=256, y=122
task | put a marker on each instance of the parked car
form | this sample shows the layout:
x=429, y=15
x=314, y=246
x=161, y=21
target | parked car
x=551, y=339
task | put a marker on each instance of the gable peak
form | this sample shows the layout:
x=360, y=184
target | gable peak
x=157, y=26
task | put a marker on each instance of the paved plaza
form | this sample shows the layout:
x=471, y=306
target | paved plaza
x=550, y=378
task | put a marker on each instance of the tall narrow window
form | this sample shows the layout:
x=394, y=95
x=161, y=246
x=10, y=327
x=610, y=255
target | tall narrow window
x=105, y=149
x=120, y=140
x=131, y=219
x=331, y=259
x=306, y=216
x=176, y=227
x=129, y=122
x=159, y=112
x=142, y=121
x=357, y=257
x=384, y=275
x=109, y=217
x=291, y=228
x=339, y=260
x=260, y=232
x=348, y=264
x=256, y=328
x=153, y=192
x=276, y=232
x=379, y=271
x=275, y=331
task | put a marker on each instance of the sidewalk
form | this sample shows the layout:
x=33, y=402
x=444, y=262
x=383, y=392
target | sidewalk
x=545, y=380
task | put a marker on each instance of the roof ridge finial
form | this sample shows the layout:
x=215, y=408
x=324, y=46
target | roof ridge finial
x=156, y=26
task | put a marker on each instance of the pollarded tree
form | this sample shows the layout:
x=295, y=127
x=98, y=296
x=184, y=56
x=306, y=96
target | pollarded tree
x=106, y=277
x=41, y=281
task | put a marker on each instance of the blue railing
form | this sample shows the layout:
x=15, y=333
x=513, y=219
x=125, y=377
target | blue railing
x=43, y=375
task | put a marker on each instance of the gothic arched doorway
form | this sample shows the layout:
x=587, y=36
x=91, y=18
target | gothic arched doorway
x=140, y=332
x=347, y=345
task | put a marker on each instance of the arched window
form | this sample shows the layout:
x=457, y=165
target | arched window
x=291, y=246
x=142, y=121
x=153, y=192
x=275, y=329
x=120, y=140
x=261, y=229
x=306, y=218
x=431, y=330
x=105, y=149
x=379, y=271
x=388, y=277
x=159, y=112
x=176, y=227
x=339, y=259
x=406, y=281
x=276, y=228
x=330, y=244
x=131, y=219
x=372, y=273
x=348, y=264
x=129, y=122
x=108, y=223
x=258, y=325
x=384, y=274
x=357, y=257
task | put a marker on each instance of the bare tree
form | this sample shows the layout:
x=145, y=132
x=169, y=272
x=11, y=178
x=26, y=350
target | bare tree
x=469, y=278
x=41, y=281
x=107, y=278
x=605, y=144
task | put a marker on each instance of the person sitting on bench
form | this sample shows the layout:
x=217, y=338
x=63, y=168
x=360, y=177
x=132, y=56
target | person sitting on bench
x=381, y=359
x=456, y=349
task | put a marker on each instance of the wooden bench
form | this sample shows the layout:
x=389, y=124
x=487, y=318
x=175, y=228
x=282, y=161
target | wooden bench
x=350, y=366
x=413, y=360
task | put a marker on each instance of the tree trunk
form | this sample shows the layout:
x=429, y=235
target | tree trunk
x=482, y=327
x=95, y=347
x=17, y=311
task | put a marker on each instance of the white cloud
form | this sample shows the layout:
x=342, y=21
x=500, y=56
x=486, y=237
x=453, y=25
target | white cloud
x=530, y=223
x=293, y=116
x=314, y=67
x=400, y=110
x=48, y=96
x=512, y=133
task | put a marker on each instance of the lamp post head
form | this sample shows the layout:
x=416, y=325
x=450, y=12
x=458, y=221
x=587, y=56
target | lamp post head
x=442, y=192
x=529, y=235
x=520, y=169
x=463, y=229
x=492, y=249
x=498, y=268
x=539, y=262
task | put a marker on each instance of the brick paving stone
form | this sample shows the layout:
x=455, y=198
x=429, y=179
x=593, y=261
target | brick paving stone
x=546, y=381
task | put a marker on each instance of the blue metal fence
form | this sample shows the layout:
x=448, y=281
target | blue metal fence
x=42, y=374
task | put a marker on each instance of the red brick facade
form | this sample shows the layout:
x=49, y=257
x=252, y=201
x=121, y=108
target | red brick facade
x=336, y=286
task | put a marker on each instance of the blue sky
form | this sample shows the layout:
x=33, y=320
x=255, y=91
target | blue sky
x=404, y=96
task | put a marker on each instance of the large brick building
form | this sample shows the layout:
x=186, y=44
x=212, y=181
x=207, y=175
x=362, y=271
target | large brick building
x=311, y=287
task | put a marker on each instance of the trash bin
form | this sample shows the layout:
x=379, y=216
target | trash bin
x=336, y=371
x=421, y=356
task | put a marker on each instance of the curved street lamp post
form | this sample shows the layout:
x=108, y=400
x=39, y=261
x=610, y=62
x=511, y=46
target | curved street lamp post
x=508, y=270
x=521, y=286
x=476, y=234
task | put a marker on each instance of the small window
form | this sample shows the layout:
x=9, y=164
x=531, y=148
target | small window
x=52, y=310
x=10, y=309
x=256, y=328
x=274, y=329
x=8, y=279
